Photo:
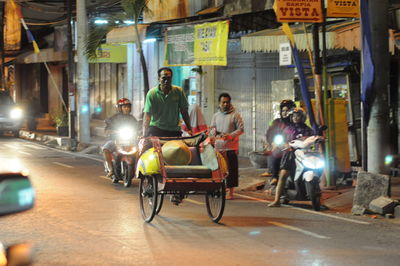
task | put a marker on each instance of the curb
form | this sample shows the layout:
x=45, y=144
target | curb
x=63, y=143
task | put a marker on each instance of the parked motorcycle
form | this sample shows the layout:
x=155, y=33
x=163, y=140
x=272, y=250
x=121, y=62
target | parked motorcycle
x=124, y=159
x=304, y=185
x=16, y=195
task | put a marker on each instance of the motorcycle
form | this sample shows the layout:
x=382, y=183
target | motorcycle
x=16, y=195
x=125, y=156
x=304, y=185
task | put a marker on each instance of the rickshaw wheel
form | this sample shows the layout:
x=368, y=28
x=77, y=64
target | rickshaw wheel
x=215, y=203
x=148, y=195
x=160, y=201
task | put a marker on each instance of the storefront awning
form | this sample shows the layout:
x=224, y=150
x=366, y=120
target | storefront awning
x=45, y=55
x=344, y=35
x=126, y=34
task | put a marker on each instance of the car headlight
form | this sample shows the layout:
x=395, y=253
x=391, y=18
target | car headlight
x=126, y=133
x=313, y=163
x=16, y=113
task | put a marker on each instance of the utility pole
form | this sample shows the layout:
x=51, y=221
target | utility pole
x=71, y=71
x=3, y=80
x=378, y=133
x=82, y=74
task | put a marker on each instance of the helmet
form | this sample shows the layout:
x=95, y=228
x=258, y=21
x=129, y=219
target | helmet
x=121, y=102
x=301, y=112
x=287, y=103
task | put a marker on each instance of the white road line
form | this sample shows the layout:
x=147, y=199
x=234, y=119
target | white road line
x=34, y=147
x=64, y=165
x=251, y=198
x=26, y=153
x=14, y=147
x=305, y=210
x=105, y=177
x=329, y=215
x=299, y=230
x=194, y=201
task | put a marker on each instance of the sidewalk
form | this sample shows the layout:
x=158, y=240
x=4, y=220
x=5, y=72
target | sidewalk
x=251, y=184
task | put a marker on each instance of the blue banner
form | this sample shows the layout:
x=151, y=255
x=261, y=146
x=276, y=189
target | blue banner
x=368, y=69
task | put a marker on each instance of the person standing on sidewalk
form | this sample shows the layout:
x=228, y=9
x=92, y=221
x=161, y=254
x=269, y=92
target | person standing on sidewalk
x=227, y=126
x=278, y=127
x=163, y=106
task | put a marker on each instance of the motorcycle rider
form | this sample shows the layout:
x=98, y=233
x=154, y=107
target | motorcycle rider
x=278, y=127
x=298, y=129
x=122, y=118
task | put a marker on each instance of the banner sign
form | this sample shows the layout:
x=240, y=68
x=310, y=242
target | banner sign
x=344, y=9
x=12, y=27
x=202, y=44
x=299, y=10
x=179, y=46
x=210, y=43
x=110, y=54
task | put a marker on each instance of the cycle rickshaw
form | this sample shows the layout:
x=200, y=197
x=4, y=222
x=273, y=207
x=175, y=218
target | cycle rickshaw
x=204, y=175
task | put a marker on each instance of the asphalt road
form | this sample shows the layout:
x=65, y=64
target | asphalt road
x=81, y=218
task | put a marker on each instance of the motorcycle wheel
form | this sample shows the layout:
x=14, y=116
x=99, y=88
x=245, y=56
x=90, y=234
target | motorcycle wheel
x=148, y=195
x=117, y=172
x=215, y=203
x=16, y=133
x=128, y=174
x=314, y=194
x=160, y=202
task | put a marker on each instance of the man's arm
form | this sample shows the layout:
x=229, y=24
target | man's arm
x=239, y=125
x=146, y=123
x=186, y=118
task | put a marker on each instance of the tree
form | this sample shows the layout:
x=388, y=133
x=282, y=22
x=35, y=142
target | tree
x=133, y=10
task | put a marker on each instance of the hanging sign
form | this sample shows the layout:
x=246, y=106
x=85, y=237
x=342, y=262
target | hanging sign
x=110, y=53
x=179, y=46
x=343, y=9
x=202, y=44
x=298, y=10
x=210, y=43
x=285, y=54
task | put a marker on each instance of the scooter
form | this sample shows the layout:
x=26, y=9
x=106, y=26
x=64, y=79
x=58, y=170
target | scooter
x=304, y=185
x=16, y=195
x=124, y=159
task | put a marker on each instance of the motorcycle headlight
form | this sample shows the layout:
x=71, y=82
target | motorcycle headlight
x=388, y=159
x=278, y=140
x=126, y=133
x=313, y=163
x=16, y=113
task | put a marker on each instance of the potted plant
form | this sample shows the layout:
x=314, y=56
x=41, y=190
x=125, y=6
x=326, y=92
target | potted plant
x=61, y=120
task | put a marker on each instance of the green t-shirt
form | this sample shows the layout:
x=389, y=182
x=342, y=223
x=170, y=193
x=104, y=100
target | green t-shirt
x=165, y=109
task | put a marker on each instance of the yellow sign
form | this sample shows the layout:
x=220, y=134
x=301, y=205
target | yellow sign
x=344, y=9
x=210, y=43
x=298, y=10
x=110, y=54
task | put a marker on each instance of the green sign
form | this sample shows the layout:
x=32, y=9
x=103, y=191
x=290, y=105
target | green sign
x=107, y=53
x=179, y=46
